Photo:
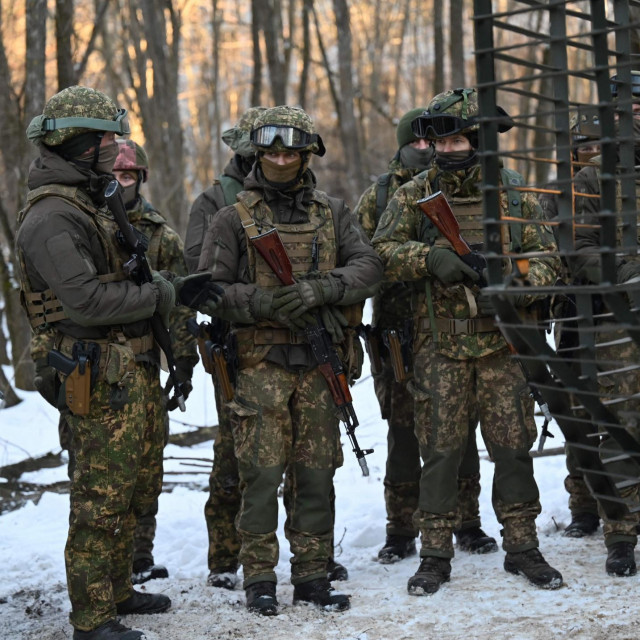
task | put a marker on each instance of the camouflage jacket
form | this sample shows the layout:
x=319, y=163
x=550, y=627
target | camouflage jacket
x=392, y=303
x=403, y=240
x=208, y=203
x=165, y=253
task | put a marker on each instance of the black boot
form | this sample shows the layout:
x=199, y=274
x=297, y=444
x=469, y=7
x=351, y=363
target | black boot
x=143, y=603
x=321, y=592
x=111, y=630
x=261, y=598
x=581, y=525
x=532, y=565
x=431, y=573
x=475, y=540
x=621, y=559
x=396, y=548
x=223, y=578
x=144, y=569
x=336, y=571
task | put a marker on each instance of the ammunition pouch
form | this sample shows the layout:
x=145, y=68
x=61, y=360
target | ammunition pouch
x=399, y=344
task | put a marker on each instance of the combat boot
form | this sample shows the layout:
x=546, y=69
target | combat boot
x=581, y=525
x=475, y=540
x=144, y=569
x=336, y=571
x=621, y=559
x=321, y=593
x=532, y=565
x=431, y=573
x=397, y=548
x=111, y=630
x=223, y=578
x=143, y=603
x=261, y=598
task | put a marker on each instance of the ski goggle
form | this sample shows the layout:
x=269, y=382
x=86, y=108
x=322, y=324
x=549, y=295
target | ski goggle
x=439, y=126
x=635, y=85
x=291, y=137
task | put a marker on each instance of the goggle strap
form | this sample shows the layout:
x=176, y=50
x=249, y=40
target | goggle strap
x=118, y=125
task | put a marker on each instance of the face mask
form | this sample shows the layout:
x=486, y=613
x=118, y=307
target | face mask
x=280, y=173
x=454, y=160
x=130, y=194
x=106, y=158
x=413, y=158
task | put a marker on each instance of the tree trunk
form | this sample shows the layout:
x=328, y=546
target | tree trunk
x=456, y=43
x=9, y=397
x=356, y=178
x=438, y=50
x=256, y=83
x=64, y=55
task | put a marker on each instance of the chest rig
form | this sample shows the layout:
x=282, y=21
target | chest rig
x=42, y=307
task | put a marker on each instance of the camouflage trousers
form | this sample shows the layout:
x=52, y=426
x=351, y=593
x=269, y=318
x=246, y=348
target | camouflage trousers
x=403, y=468
x=223, y=504
x=615, y=387
x=447, y=392
x=117, y=476
x=145, y=531
x=285, y=422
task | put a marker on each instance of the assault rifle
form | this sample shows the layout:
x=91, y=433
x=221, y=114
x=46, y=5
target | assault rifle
x=137, y=267
x=437, y=209
x=269, y=246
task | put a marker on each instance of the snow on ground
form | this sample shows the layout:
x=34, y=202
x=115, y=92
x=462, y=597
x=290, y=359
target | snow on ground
x=481, y=602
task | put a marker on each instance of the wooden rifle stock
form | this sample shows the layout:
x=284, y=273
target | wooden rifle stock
x=437, y=209
x=269, y=245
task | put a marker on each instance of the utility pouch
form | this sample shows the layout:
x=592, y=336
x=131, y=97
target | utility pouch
x=78, y=384
x=120, y=363
x=391, y=340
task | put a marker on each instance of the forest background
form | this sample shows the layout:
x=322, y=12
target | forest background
x=187, y=69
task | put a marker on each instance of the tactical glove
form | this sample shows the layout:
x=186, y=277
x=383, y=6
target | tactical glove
x=166, y=297
x=265, y=305
x=184, y=373
x=445, y=265
x=334, y=322
x=198, y=292
x=310, y=293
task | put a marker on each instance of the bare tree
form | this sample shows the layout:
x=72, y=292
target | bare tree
x=456, y=43
x=438, y=49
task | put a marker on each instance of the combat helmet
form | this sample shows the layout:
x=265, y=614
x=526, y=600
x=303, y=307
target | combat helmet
x=237, y=137
x=132, y=157
x=284, y=128
x=75, y=111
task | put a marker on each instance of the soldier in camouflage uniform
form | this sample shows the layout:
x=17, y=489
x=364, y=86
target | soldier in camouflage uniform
x=585, y=131
x=462, y=365
x=165, y=252
x=79, y=302
x=620, y=537
x=283, y=415
x=392, y=311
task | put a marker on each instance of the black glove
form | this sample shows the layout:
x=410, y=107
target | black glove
x=184, y=373
x=334, y=322
x=198, y=292
x=283, y=308
x=448, y=267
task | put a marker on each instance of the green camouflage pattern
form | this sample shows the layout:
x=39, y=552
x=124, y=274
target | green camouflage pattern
x=132, y=157
x=285, y=421
x=78, y=102
x=117, y=477
x=237, y=137
x=288, y=116
x=450, y=395
x=223, y=504
x=403, y=240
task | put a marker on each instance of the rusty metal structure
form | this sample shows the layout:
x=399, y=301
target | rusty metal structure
x=544, y=61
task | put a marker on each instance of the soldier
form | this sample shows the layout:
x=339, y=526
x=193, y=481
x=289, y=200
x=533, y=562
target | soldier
x=283, y=415
x=392, y=313
x=223, y=503
x=462, y=365
x=585, y=133
x=81, y=304
x=165, y=252
x=620, y=536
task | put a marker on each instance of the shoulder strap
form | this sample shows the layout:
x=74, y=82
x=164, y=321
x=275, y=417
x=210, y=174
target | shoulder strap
x=382, y=194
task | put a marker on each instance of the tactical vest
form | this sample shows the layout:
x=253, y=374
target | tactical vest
x=44, y=309
x=311, y=246
x=150, y=218
x=469, y=214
